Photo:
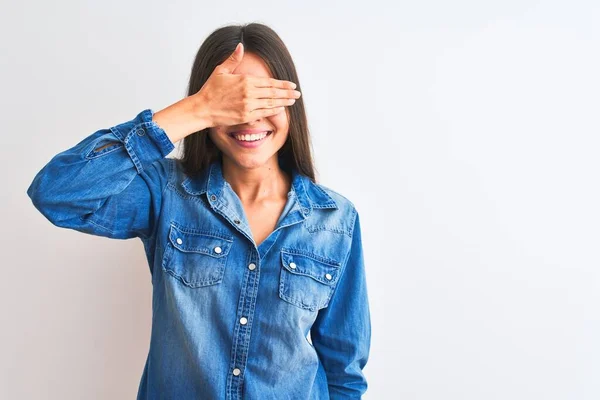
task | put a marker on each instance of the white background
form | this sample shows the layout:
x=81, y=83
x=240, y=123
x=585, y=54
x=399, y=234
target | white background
x=465, y=132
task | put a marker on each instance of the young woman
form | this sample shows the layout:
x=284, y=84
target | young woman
x=249, y=256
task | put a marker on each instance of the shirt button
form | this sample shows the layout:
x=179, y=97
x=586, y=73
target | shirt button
x=213, y=197
x=243, y=320
x=179, y=241
x=237, y=221
x=328, y=276
x=251, y=266
x=292, y=265
x=236, y=371
x=218, y=250
x=140, y=132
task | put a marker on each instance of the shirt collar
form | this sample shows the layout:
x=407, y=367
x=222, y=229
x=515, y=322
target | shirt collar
x=211, y=182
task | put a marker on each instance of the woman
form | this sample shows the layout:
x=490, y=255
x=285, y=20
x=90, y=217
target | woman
x=248, y=254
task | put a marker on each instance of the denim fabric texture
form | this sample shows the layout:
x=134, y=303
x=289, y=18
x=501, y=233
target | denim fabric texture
x=230, y=320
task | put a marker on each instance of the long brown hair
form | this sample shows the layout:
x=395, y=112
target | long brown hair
x=198, y=149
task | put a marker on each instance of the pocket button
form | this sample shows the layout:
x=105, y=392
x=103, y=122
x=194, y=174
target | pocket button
x=218, y=250
x=328, y=277
x=179, y=241
x=293, y=265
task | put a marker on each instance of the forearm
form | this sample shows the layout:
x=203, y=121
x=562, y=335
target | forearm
x=183, y=118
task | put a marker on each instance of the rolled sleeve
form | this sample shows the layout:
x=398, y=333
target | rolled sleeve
x=110, y=183
x=144, y=140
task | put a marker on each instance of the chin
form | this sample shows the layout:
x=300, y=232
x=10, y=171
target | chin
x=249, y=161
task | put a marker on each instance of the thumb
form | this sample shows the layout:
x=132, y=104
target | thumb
x=229, y=65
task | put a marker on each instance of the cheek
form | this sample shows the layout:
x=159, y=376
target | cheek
x=280, y=122
x=215, y=132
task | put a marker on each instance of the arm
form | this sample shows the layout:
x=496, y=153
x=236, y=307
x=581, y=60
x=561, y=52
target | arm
x=109, y=184
x=341, y=333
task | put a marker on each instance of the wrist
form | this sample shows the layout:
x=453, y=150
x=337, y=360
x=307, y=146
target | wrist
x=183, y=118
x=200, y=111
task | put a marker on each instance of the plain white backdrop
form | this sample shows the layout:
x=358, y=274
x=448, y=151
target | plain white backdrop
x=465, y=132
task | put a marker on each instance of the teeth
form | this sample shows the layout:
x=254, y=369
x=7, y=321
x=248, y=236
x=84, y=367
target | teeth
x=251, y=137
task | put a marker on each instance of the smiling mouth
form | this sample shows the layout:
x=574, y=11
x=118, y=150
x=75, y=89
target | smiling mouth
x=253, y=137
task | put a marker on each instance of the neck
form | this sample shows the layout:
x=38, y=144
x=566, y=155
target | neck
x=254, y=185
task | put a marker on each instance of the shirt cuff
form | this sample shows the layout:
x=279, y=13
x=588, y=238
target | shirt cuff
x=144, y=140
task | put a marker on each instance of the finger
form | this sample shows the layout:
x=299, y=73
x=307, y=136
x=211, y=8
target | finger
x=229, y=65
x=275, y=93
x=265, y=112
x=271, y=82
x=270, y=103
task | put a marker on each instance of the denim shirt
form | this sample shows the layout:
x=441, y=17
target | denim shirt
x=287, y=319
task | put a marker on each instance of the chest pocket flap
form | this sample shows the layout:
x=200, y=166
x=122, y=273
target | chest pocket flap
x=196, y=242
x=319, y=268
x=196, y=258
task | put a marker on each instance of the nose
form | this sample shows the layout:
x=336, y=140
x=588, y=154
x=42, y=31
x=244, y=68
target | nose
x=253, y=122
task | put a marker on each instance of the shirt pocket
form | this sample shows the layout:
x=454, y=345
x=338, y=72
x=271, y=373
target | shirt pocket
x=196, y=258
x=307, y=280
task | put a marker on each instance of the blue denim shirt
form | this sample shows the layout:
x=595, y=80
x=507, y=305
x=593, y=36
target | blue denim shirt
x=288, y=319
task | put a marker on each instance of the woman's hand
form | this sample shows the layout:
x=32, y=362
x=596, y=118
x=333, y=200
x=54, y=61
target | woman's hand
x=226, y=99
x=232, y=99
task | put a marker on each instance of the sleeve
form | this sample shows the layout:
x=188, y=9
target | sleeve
x=341, y=333
x=109, y=184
